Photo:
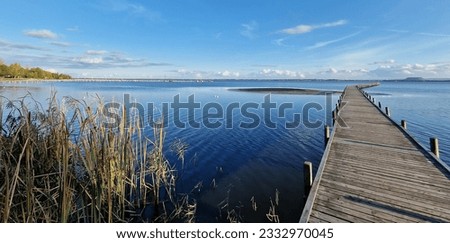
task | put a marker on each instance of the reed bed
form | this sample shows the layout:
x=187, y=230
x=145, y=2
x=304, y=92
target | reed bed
x=65, y=163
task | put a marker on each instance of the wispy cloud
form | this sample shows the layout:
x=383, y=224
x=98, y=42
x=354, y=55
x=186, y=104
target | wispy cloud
x=398, y=31
x=79, y=62
x=279, y=42
x=385, y=62
x=302, y=29
x=73, y=29
x=218, y=35
x=105, y=59
x=264, y=65
x=60, y=43
x=126, y=6
x=130, y=8
x=433, y=34
x=96, y=52
x=418, y=33
x=42, y=34
x=248, y=29
x=8, y=46
x=326, y=43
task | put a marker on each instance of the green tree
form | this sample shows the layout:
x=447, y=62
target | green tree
x=15, y=70
x=3, y=70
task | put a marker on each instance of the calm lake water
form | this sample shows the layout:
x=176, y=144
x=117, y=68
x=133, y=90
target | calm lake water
x=258, y=161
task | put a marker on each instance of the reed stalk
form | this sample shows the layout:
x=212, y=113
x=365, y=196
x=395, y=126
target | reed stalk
x=64, y=163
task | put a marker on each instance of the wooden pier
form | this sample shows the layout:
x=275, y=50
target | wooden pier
x=372, y=170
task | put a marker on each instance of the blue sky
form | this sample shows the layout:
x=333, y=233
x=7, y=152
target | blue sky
x=346, y=39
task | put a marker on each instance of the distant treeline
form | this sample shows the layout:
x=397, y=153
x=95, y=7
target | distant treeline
x=17, y=71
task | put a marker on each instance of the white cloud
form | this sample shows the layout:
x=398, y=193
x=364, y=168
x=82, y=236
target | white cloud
x=299, y=29
x=52, y=70
x=278, y=73
x=88, y=60
x=72, y=62
x=388, y=70
x=406, y=70
x=333, y=24
x=182, y=71
x=302, y=29
x=198, y=74
x=228, y=74
x=335, y=73
x=96, y=52
x=248, y=30
x=191, y=74
x=108, y=60
x=332, y=70
x=42, y=34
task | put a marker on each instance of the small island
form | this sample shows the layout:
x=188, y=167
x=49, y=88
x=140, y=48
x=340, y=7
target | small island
x=414, y=79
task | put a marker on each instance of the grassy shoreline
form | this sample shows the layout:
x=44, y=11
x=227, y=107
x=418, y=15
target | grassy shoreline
x=56, y=167
x=19, y=80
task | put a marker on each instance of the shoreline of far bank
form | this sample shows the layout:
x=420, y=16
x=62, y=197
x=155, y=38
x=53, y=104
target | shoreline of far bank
x=176, y=80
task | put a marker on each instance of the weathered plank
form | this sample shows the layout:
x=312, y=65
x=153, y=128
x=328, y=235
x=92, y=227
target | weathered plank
x=380, y=214
x=394, y=187
x=374, y=171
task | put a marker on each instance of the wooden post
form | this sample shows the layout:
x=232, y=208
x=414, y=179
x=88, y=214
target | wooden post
x=379, y=104
x=403, y=124
x=334, y=116
x=434, y=144
x=387, y=111
x=326, y=134
x=308, y=177
x=373, y=100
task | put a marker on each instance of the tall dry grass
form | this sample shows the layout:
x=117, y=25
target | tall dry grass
x=64, y=163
